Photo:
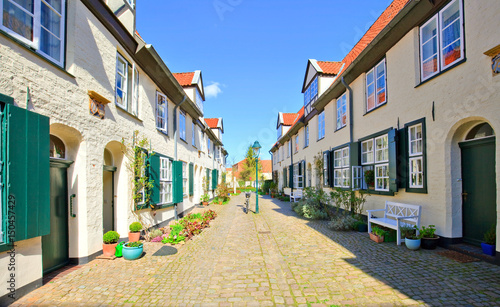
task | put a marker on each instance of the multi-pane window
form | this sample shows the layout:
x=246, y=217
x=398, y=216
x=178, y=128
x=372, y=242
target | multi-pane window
x=37, y=23
x=289, y=143
x=375, y=86
x=184, y=178
x=321, y=125
x=165, y=180
x=141, y=173
x=297, y=143
x=415, y=144
x=325, y=168
x=127, y=86
x=278, y=131
x=182, y=125
x=209, y=146
x=161, y=112
x=375, y=158
x=297, y=176
x=193, y=134
x=311, y=94
x=442, y=40
x=341, y=170
x=306, y=136
x=341, y=111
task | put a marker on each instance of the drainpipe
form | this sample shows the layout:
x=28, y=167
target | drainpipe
x=291, y=162
x=175, y=144
x=351, y=124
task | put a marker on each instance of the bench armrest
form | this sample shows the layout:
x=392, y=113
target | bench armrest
x=407, y=217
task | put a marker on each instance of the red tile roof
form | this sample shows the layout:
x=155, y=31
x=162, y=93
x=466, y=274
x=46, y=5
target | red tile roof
x=267, y=166
x=329, y=68
x=299, y=116
x=212, y=122
x=289, y=118
x=184, y=78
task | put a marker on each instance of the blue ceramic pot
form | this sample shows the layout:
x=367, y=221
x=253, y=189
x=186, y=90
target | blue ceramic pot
x=131, y=253
x=412, y=244
x=488, y=249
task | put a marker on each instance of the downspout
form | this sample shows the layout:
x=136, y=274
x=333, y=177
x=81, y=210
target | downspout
x=351, y=124
x=291, y=162
x=175, y=144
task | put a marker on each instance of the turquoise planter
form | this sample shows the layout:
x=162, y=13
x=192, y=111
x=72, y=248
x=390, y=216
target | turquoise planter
x=412, y=244
x=132, y=253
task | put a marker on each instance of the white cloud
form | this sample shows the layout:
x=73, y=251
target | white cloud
x=212, y=90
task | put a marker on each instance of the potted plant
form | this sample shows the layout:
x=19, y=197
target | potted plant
x=428, y=239
x=490, y=239
x=370, y=178
x=110, y=241
x=360, y=226
x=204, y=199
x=377, y=234
x=412, y=241
x=132, y=250
x=135, y=232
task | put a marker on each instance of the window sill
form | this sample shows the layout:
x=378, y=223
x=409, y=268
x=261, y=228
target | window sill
x=194, y=147
x=376, y=108
x=183, y=140
x=340, y=128
x=163, y=206
x=162, y=131
x=127, y=112
x=375, y=192
x=31, y=50
x=442, y=72
x=416, y=190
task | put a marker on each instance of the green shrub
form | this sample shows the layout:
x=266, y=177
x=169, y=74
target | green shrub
x=490, y=237
x=427, y=232
x=135, y=227
x=110, y=237
x=134, y=244
x=378, y=231
x=309, y=210
x=155, y=233
x=343, y=222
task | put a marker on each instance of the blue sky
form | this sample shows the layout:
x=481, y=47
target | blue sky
x=252, y=54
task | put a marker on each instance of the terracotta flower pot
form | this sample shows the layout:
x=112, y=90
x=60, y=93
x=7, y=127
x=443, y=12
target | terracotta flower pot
x=134, y=236
x=108, y=250
x=376, y=238
x=205, y=203
x=220, y=203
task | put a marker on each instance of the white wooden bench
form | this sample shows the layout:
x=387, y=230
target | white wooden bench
x=394, y=215
x=296, y=195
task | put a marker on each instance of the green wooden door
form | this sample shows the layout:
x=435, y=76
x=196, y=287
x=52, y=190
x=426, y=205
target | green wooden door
x=479, y=188
x=55, y=252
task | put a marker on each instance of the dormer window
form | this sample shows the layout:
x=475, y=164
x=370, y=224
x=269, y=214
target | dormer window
x=279, y=132
x=311, y=94
x=199, y=101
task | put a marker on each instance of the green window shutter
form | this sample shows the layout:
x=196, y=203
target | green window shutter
x=284, y=178
x=304, y=171
x=214, y=179
x=393, y=169
x=290, y=175
x=354, y=158
x=402, y=158
x=154, y=175
x=191, y=179
x=177, y=193
x=27, y=170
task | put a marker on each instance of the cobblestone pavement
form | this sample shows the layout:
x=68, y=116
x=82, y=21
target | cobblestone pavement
x=276, y=258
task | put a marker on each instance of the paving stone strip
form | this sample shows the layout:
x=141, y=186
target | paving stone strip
x=271, y=259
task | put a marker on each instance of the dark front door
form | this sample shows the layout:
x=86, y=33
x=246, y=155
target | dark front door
x=108, y=202
x=479, y=188
x=55, y=253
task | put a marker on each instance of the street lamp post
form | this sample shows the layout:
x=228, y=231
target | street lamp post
x=256, y=149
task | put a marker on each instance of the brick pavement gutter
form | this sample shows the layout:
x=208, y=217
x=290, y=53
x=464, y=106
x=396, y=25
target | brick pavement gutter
x=276, y=258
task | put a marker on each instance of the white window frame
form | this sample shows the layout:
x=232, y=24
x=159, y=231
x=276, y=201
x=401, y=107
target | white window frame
x=384, y=150
x=165, y=180
x=185, y=179
x=311, y=93
x=208, y=146
x=384, y=178
x=357, y=178
x=369, y=153
x=325, y=168
x=321, y=125
x=193, y=134
x=375, y=83
x=297, y=178
x=131, y=104
x=438, y=19
x=376, y=163
x=182, y=125
x=341, y=111
x=341, y=168
x=297, y=143
x=164, y=98
x=416, y=155
x=37, y=28
x=306, y=136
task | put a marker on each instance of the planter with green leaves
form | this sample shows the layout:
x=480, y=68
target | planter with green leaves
x=132, y=250
x=490, y=239
x=360, y=226
x=110, y=241
x=412, y=241
x=429, y=240
x=204, y=199
x=377, y=234
x=135, y=232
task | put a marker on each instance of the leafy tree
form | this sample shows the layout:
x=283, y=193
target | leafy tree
x=248, y=172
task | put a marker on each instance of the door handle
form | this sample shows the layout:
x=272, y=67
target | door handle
x=464, y=196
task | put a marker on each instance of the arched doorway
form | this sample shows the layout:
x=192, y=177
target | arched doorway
x=108, y=192
x=55, y=246
x=478, y=182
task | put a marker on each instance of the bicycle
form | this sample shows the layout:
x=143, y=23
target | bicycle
x=247, y=201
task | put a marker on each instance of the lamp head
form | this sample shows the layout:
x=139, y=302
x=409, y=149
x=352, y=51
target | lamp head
x=256, y=148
